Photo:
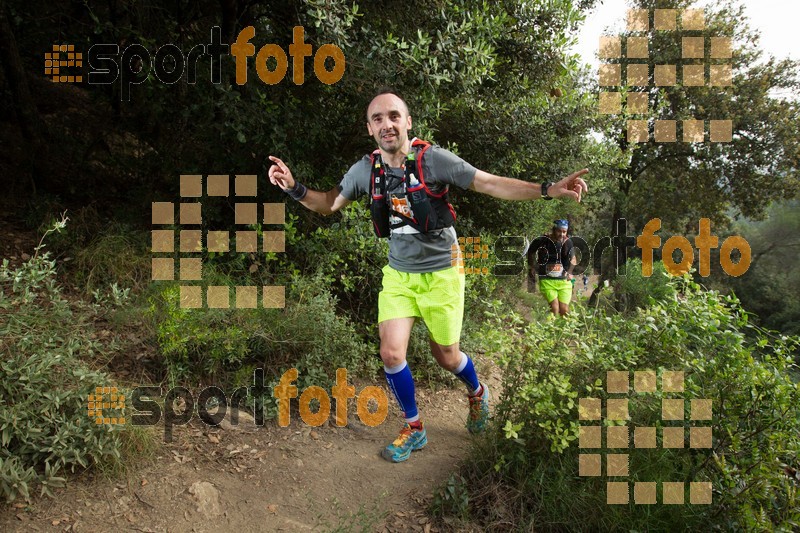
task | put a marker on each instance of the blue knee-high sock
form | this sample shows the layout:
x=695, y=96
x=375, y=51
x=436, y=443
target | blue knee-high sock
x=466, y=373
x=401, y=382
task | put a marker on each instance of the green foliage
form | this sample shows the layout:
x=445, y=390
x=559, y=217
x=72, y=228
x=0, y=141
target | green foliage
x=683, y=182
x=634, y=290
x=347, y=258
x=478, y=77
x=327, y=338
x=44, y=384
x=769, y=287
x=524, y=473
x=224, y=346
x=452, y=499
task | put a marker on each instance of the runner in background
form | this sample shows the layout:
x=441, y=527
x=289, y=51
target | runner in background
x=551, y=257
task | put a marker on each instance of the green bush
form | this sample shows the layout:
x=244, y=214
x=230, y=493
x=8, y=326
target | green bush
x=633, y=290
x=44, y=384
x=525, y=472
x=347, y=258
x=224, y=346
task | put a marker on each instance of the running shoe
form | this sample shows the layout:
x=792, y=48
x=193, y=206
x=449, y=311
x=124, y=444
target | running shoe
x=478, y=411
x=410, y=439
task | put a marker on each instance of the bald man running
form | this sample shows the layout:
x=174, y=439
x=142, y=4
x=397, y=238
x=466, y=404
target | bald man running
x=407, y=181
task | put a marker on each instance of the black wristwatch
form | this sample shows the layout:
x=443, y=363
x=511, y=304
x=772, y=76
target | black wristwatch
x=546, y=186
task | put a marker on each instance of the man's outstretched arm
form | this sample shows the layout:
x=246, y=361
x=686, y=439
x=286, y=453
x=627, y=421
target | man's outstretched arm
x=325, y=203
x=572, y=186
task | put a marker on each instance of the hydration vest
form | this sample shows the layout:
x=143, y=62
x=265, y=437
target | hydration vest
x=414, y=204
x=553, y=255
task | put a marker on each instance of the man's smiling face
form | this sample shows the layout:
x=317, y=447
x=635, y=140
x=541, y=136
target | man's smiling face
x=388, y=122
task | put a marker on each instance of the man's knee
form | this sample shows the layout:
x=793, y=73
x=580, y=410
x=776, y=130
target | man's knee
x=394, y=340
x=448, y=357
x=563, y=308
x=392, y=356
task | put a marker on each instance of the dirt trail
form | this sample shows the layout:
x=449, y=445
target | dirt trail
x=268, y=479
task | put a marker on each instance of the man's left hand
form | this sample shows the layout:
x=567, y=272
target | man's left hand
x=572, y=186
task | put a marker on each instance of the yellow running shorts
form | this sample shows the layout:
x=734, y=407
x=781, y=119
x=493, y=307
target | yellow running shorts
x=556, y=288
x=436, y=297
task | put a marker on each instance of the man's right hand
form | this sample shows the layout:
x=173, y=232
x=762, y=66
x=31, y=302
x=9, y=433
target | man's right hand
x=280, y=175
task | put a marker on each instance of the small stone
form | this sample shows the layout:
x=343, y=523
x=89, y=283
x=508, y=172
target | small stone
x=207, y=498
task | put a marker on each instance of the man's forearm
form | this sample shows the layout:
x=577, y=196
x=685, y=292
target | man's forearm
x=514, y=189
x=318, y=201
x=506, y=188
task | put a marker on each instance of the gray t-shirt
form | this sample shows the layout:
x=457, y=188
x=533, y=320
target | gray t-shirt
x=416, y=252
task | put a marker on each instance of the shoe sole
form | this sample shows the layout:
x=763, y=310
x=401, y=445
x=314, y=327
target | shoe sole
x=392, y=459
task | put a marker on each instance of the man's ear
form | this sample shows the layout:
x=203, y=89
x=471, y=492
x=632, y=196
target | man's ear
x=409, y=121
x=369, y=129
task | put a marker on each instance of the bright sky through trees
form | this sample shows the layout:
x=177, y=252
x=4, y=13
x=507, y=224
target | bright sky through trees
x=775, y=19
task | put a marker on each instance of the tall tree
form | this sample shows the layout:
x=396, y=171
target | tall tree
x=680, y=182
